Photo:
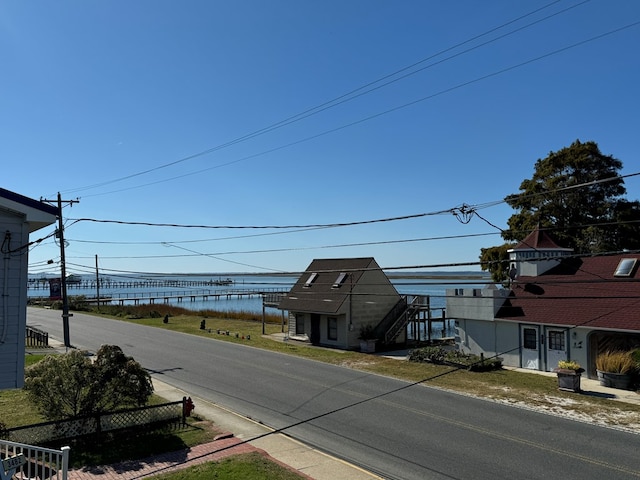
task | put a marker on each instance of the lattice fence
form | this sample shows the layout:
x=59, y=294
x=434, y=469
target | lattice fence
x=41, y=433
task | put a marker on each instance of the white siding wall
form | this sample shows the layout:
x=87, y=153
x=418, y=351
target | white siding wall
x=13, y=284
x=475, y=303
x=492, y=339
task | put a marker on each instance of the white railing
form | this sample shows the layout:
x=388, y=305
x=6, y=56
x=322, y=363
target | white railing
x=35, y=462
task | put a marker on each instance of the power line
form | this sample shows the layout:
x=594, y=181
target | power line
x=391, y=110
x=463, y=213
x=385, y=112
x=355, y=93
x=288, y=227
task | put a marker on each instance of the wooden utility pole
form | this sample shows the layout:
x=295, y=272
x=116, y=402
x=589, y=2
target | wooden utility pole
x=97, y=284
x=63, y=269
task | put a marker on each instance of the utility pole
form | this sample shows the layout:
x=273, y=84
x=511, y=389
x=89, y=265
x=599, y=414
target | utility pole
x=63, y=270
x=97, y=284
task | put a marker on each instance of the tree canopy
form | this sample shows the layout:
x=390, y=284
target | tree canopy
x=68, y=385
x=577, y=193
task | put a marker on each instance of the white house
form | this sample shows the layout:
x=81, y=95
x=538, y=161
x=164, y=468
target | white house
x=19, y=216
x=557, y=307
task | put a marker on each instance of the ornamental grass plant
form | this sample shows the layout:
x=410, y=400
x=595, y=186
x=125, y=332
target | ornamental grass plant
x=616, y=362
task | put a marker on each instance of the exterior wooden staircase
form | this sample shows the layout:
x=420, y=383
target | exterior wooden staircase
x=396, y=321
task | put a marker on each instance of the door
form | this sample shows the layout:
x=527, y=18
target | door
x=315, y=329
x=556, y=346
x=530, y=347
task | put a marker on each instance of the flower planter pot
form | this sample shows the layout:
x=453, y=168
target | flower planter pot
x=568, y=380
x=368, y=346
x=615, y=380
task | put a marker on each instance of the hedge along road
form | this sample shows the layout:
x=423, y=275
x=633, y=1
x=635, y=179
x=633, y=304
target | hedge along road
x=390, y=427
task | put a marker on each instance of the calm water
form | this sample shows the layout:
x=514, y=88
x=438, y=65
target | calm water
x=432, y=287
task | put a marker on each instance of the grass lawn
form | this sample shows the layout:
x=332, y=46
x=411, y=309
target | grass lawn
x=117, y=447
x=240, y=467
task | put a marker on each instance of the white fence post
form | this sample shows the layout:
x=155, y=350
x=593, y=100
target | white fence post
x=65, y=461
x=40, y=462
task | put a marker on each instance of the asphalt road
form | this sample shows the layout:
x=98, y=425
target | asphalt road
x=390, y=427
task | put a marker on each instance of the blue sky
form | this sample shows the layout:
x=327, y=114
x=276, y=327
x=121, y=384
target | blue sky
x=147, y=112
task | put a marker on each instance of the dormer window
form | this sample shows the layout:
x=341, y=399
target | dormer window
x=340, y=280
x=625, y=267
x=310, y=280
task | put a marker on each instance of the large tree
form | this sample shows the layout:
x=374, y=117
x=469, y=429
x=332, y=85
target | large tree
x=578, y=193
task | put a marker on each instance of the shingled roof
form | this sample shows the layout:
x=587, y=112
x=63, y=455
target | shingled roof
x=537, y=240
x=579, y=292
x=314, y=292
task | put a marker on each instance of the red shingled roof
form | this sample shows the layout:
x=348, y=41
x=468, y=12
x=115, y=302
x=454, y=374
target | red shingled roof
x=538, y=239
x=579, y=292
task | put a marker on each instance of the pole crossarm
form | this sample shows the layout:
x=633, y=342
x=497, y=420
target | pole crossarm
x=63, y=268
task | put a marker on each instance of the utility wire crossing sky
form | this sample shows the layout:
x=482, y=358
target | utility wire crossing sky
x=310, y=118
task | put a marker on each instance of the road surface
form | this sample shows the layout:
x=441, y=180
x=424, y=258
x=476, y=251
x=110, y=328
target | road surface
x=390, y=427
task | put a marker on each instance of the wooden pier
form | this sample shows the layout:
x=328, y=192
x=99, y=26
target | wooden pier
x=108, y=283
x=180, y=296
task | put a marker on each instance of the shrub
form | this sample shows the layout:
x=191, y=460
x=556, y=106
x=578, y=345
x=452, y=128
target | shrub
x=68, y=385
x=456, y=358
x=615, y=362
x=428, y=354
x=367, y=332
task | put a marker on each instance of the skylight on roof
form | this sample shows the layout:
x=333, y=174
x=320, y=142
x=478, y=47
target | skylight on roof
x=340, y=280
x=310, y=280
x=625, y=267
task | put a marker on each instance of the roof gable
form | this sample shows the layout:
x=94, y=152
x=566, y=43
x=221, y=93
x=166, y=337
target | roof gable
x=537, y=240
x=326, y=284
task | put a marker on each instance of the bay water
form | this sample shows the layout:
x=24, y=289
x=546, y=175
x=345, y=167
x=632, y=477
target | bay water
x=220, y=289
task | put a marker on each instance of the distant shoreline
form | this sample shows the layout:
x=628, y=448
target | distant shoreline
x=426, y=276
x=480, y=276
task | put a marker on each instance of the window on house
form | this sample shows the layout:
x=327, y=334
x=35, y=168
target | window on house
x=299, y=324
x=556, y=340
x=310, y=280
x=530, y=338
x=625, y=267
x=332, y=328
x=340, y=280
